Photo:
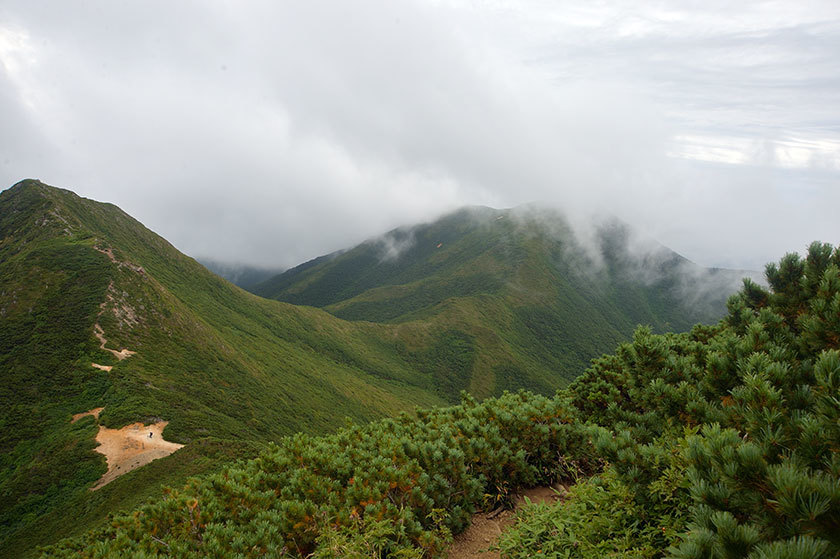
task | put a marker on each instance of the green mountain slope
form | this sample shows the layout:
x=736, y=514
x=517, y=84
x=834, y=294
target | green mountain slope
x=228, y=370
x=489, y=301
x=716, y=443
x=514, y=279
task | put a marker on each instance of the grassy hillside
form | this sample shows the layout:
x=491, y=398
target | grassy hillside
x=716, y=443
x=228, y=370
x=518, y=279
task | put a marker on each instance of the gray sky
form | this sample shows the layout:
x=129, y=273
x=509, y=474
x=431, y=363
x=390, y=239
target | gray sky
x=272, y=132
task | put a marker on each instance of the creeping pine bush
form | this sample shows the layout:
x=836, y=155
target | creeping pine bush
x=394, y=488
x=765, y=481
x=604, y=516
x=718, y=443
x=726, y=439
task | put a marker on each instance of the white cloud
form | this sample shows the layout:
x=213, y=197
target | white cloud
x=270, y=133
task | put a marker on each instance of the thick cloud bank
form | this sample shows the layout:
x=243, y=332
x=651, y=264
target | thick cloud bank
x=267, y=133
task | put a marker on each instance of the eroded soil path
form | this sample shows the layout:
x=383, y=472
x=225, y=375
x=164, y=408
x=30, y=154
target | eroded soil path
x=100, y=335
x=134, y=445
x=129, y=448
x=128, y=312
x=94, y=412
x=485, y=528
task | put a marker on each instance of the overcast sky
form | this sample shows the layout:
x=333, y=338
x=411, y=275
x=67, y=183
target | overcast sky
x=272, y=132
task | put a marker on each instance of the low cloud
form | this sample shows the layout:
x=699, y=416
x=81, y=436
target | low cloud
x=394, y=243
x=269, y=134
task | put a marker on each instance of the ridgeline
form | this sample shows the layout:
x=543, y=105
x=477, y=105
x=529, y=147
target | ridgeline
x=518, y=279
x=107, y=333
x=717, y=443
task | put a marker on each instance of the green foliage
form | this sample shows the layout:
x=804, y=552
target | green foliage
x=394, y=488
x=761, y=476
x=51, y=289
x=553, y=307
x=722, y=441
x=214, y=361
x=449, y=363
x=366, y=539
x=599, y=518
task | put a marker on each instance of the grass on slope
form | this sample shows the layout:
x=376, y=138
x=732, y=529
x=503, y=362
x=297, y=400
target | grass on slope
x=220, y=364
x=554, y=308
x=716, y=443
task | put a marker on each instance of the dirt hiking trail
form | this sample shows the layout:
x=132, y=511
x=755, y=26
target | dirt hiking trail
x=100, y=334
x=134, y=445
x=94, y=412
x=485, y=528
x=129, y=448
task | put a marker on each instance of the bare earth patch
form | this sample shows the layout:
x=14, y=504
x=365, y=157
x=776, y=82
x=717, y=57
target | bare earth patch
x=94, y=412
x=486, y=528
x=108, y=251
x=106, y=368
x=100, y=334
x=131, y=447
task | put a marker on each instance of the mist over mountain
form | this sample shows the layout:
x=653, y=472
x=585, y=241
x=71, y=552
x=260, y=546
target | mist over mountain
x=127, y=365
x=241, y=275
x=105, y=326
x=102, y=317
x=519, y=278
x=673, y=116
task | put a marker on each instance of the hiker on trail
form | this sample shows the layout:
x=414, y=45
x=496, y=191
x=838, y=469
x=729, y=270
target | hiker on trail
x=150, y=434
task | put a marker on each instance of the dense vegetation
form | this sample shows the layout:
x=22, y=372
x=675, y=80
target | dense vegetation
x=717, y=443
x=228, y=370
x=724, y=442
x=554, y=304
x=395, y=487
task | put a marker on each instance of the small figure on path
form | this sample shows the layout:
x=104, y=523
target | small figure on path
x=150, y=434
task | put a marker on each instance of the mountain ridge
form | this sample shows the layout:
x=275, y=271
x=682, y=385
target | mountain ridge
x=82, y=281
x=227, y=369
x=718, y=442
x=550, y=281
